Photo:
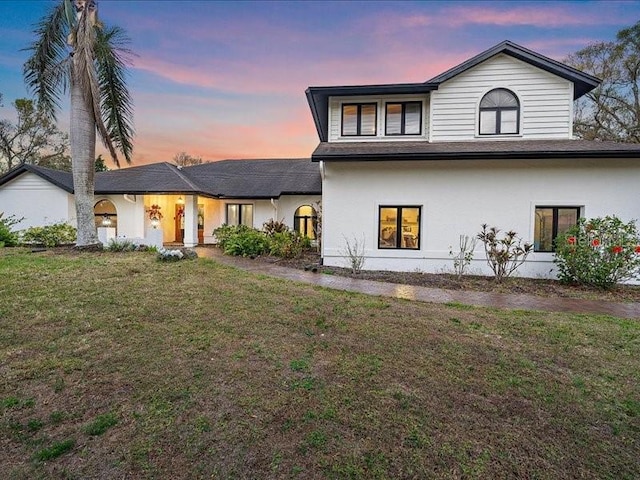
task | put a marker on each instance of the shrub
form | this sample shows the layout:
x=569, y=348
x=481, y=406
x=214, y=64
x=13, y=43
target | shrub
x=120, y=245
x=274, y=226
x=49, y=235
x=241, y=240
x=168, y=255
x=599, y=252
x=504, y=255
x=287, y=244
x=463, y=257
x=354, y=253
x=8, y=237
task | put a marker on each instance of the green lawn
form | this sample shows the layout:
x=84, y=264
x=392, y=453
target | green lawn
x=119, y=366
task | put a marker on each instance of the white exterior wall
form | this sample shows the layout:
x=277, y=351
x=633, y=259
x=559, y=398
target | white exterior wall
x=546, y=101
x=457, y=197
x=335, y=117
x=131, y=214
x=37, y=200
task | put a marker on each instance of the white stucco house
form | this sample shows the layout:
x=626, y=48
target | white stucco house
x=407, y=167
x=411, y=167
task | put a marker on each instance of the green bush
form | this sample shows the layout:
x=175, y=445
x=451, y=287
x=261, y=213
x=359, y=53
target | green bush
x=8, y=237
x=599, y=252
x=241, y=240
x=49, y=235
x=287, y=244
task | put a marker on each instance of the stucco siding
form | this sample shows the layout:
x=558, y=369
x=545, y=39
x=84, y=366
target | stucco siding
x=546, y=101
x=457, y=198
x=37, y=200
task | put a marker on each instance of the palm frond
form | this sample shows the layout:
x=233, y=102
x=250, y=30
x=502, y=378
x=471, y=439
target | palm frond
x=45, y=71
x=111, y=57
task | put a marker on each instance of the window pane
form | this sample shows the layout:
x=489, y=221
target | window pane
x=543, y=230
x=410, y=226
x=394, y=117
x=567, y=218
x=368, y=120
x=509, y=121
x=412, y=118
x=488, y=122
x=246, y=214
x=388, y=227
x=233, y=212
x=349, y=120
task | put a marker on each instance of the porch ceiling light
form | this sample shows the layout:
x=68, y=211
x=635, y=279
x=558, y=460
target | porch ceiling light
x=180, y=200
x=106, y=220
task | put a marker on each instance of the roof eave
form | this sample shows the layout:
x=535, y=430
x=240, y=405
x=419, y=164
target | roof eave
x=512, y=155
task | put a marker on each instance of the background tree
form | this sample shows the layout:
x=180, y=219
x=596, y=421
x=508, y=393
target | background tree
x=183, y=159
x=611, y=111
x=73, y=49
x=100, y=166
x=33, y=138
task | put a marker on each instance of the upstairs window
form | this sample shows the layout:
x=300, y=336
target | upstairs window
x=359, y=119
x=551, y=222
x=499, y=113
x=403, y=118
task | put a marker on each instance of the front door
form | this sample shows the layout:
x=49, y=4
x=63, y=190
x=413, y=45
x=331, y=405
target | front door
x=179, y=223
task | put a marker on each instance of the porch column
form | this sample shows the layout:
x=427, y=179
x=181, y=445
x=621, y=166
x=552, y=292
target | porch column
x=190, y=221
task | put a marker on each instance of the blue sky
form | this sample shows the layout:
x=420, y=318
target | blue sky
x=227, y=79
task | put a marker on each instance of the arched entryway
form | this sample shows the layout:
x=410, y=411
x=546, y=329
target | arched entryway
x=106, y=214
x=305, y=221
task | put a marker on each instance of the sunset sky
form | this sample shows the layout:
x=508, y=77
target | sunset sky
x=227, y=79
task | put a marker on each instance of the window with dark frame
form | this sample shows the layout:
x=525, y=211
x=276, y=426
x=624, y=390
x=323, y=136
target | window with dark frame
x=240, y=214
x=403, y=118
x=499, y=113
x=359, y=119
x=551, y=222
x=305, y=221
x=399, y=227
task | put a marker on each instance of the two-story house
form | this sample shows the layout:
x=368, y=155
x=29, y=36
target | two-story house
x=408, y=168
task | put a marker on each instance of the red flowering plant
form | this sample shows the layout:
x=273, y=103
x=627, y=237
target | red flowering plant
x=599, y=252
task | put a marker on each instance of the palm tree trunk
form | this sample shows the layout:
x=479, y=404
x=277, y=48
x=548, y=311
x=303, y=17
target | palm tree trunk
x=83, y=148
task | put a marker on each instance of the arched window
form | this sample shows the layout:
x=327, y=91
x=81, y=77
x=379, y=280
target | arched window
x=499, y=113
x=105, y=214
x=305, y=221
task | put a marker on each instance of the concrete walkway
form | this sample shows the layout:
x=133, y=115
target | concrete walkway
x=433, y=295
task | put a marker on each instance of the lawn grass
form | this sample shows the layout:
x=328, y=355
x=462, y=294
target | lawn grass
x=115, y=365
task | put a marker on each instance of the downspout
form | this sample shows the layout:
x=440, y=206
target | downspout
x=275, y=209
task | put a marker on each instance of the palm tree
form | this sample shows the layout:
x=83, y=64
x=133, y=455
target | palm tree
x=75, y=52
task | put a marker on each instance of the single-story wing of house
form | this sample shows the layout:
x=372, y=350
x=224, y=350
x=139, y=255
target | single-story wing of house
x=161, y=203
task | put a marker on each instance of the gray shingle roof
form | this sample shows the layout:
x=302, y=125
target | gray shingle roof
x=257, y=178
x=153, y=178
x=473, y=150
x=227, y=178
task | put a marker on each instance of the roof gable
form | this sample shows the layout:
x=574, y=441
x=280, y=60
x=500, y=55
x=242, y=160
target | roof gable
x=59, y=178
x=583, y=83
